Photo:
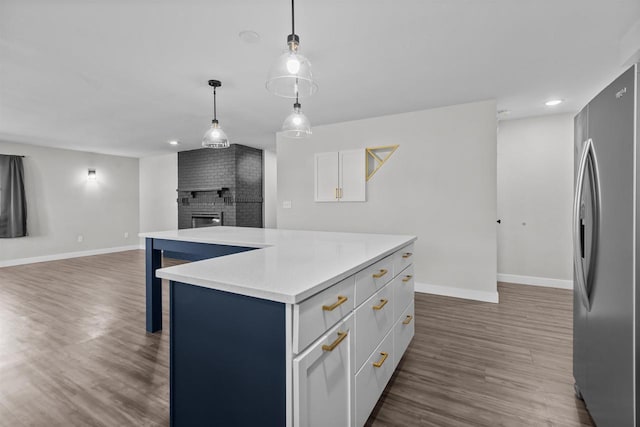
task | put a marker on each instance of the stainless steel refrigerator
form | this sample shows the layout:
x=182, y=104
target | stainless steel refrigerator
x=606, y=231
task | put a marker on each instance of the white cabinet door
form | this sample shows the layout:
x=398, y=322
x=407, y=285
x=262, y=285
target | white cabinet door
x=323, y=380
x=352, y=176
x=326, y=171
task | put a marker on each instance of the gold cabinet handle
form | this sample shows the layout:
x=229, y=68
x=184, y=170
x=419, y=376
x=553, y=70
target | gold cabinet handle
x=340, y=192
x=341, y=337
x=337, y=193
x=407, y=320
x=383, y=302
x=380, y=274
x=341, y=300
x=407, y=278
x=382, y=359
x=406, y=254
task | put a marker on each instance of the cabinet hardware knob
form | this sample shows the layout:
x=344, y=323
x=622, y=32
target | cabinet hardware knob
x=407, y=278
x=382, y=359
x=341, y=337
x=406, y=254
x=380, y=274
x=341, y=300
x=407, y=320
x=383, y=302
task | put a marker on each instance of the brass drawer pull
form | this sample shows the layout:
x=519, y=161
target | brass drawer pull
x=341, y=337
x=406, y=254
x=383, y=302
x=382, y=359
x=407, y=320
x=380, y=274
x=341, y=300
x=407, y=278
x=337, y=193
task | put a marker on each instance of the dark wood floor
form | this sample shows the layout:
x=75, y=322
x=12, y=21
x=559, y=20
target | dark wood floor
x=73, y=352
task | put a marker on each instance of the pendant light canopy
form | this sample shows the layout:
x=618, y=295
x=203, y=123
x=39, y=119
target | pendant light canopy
x=215, y=137
x=296, y=125
x=290, y=75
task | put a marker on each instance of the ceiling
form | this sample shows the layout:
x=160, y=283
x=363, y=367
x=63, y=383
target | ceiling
x=125, y=77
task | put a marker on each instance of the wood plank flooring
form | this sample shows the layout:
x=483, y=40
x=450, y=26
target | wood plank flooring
x=74, y=352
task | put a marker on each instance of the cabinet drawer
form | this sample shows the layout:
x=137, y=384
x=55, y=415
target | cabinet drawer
x=372, y=379
x=373, y=278
x=374, y=318
x=403, y=332
x=323, y=378
x=403, y=258
x=314, y=316
x=403, y=290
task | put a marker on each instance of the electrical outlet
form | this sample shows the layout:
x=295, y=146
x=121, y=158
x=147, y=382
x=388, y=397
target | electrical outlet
x=286, y=204
x=80, y=238
x=126, y=234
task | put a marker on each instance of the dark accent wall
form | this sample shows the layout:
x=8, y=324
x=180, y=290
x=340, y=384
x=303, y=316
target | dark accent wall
x=221, y=180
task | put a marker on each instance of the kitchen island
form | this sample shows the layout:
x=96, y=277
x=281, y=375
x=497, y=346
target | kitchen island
x=283, y=327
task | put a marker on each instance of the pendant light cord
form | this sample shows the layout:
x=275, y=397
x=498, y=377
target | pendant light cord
x=215, y=117
x=293, y=20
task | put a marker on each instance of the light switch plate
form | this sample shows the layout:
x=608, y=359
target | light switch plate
x=286, y=204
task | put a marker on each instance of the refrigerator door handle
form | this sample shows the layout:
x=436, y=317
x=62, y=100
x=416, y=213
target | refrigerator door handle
x=588, y=164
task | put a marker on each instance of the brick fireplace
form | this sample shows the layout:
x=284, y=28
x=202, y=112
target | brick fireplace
x=224, y=184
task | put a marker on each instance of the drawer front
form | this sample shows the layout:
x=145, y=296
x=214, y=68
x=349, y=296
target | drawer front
x=374, y=318
x=372, y=379
x=373, y=278
x=403, y=332
x=403, y=290
x=314, y=316
x=403, y=258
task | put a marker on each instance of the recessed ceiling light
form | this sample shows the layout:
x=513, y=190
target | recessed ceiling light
x=249, y=36
x=174, y=142
x=553, y=102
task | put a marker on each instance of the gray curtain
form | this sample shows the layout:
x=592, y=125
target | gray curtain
x=13, y=204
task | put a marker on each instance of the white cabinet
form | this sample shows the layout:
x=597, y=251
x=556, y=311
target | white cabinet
x=323, y=379
x=327, y=182
x=340, y=176
x=347, y=340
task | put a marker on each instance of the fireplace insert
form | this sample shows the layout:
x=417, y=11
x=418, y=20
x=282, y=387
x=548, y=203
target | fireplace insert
x=206, y=219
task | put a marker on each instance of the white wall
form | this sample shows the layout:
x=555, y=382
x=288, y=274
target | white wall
x=439, y=185
x=535, y=187
x=270, y=192
x=62, y=203
x=158, y=184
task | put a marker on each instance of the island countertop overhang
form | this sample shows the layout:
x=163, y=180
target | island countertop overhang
x=287, y=266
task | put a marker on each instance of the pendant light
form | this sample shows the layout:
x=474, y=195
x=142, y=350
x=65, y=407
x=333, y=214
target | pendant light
x=215, y=136
x=296, y=125
x=290, y=75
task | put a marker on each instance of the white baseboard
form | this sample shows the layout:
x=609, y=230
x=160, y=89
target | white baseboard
x=66, y=255
x=449, y=291
x=535, y=281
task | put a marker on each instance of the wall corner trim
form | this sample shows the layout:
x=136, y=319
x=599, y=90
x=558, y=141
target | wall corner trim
x=67, y=255
x=449, y=291
x=535, y=281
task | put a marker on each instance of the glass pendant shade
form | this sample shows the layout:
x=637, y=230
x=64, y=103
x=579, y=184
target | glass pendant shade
x=296, y=125
x=290, y=76
x=215, y=137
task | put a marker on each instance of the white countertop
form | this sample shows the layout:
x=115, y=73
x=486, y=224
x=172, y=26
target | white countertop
x=289, y=265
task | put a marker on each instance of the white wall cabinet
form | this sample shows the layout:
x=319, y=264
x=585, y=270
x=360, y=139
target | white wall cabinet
x=340, y=176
